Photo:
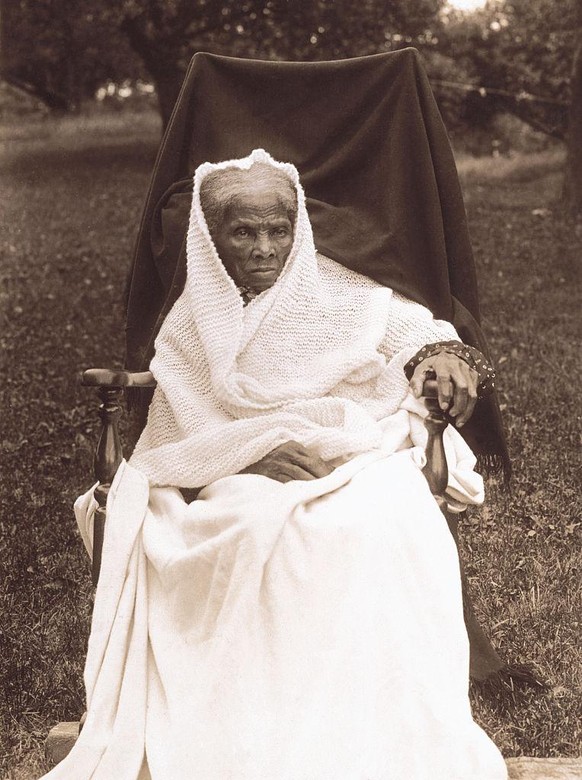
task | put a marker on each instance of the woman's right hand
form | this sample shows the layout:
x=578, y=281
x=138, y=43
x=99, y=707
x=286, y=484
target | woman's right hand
x=290, y=461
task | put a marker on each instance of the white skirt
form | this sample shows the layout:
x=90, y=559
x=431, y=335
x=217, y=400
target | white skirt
x=306, y=631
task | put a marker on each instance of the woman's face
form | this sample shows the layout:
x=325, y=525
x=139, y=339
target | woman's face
x=255, y=238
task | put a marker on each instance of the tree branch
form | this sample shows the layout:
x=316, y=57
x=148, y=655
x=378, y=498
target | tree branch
x=56, y=101
x=557, y=131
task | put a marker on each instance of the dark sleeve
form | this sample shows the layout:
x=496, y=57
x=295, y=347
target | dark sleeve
x=471, y=355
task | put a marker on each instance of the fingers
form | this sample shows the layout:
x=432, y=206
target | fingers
x=443, y=377
x=419, y=376
x=289, y=471
x=465, y=393
x=307, y=460
x=445, y=389
x=290, y=461
x=456, y=381
x=465, y=415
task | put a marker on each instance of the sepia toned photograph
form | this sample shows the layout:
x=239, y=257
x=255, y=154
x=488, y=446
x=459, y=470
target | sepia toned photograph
x=290, y=453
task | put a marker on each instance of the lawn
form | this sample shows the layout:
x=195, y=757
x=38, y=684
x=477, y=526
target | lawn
x=72, y=194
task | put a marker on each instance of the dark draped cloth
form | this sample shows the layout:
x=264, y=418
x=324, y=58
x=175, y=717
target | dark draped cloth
x=376, y=165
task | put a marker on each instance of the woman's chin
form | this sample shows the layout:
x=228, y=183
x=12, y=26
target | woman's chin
x=259, y=281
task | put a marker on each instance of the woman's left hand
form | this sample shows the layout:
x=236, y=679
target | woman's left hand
x=457, y=384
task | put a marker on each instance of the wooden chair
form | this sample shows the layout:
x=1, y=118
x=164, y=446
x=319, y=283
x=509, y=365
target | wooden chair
x=157, y=275
x=112, y=384
x=109, y=452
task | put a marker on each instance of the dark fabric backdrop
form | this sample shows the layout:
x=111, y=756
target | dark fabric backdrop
x=377, y=168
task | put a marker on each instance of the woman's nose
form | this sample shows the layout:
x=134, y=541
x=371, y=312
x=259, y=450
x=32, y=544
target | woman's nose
x=263, y=247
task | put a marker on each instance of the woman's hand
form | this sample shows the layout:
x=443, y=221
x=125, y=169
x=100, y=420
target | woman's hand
x=457, y=384
x=290, y=461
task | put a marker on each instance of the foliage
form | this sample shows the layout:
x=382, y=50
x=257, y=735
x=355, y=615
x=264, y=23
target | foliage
x=61, y=52
x=73, y=202
x=74, y=193
x=523, y=550
x=519, y=49
x=84, y=44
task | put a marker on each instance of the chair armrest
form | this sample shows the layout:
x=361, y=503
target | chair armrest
x=110, y=384
x=108, y=455
x=106, y=377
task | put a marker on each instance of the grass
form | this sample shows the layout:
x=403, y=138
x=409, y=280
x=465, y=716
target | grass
x=525, y=545
x=72, y=195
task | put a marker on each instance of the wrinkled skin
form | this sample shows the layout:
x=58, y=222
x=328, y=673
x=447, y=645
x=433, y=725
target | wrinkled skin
x=290, y=461
x=255, y=239
x=253, y=242
x=457, y=387
x=457, y=384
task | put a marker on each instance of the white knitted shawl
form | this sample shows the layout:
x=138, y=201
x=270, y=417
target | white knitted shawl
x=317, y=358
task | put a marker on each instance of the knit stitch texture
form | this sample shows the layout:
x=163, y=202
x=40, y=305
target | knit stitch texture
x=317, y=358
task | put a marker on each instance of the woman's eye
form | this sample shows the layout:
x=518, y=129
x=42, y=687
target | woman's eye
x=281, y=232
x=242, y=233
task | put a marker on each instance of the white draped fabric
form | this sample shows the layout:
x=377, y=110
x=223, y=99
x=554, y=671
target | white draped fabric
x=303, y=631
x=317, y=358
x=299, y=631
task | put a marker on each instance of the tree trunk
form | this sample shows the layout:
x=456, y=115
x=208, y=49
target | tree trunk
x=161, y=62
x=168, y=84
x=572, y=191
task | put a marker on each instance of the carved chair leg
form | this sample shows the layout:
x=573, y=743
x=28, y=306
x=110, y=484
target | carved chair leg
x=108, y=456
x=436, y=470
x=484, y=660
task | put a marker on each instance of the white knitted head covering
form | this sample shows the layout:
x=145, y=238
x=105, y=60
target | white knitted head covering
x=302, y=361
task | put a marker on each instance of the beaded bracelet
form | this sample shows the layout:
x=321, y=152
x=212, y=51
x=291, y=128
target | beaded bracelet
x=470, y=355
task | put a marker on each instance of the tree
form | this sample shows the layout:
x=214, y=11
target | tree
x=94, y=40
x=572, y=192
x=61, y=52
x=517, y=54
x=524, y=57
x=166, y=35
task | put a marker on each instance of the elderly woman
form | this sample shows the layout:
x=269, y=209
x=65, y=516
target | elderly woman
x=301, y=619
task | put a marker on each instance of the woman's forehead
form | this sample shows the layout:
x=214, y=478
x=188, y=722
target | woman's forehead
x=230, y=182
x=253, y=203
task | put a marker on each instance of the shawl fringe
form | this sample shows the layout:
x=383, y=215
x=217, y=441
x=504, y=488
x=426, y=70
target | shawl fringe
x=495, y=464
